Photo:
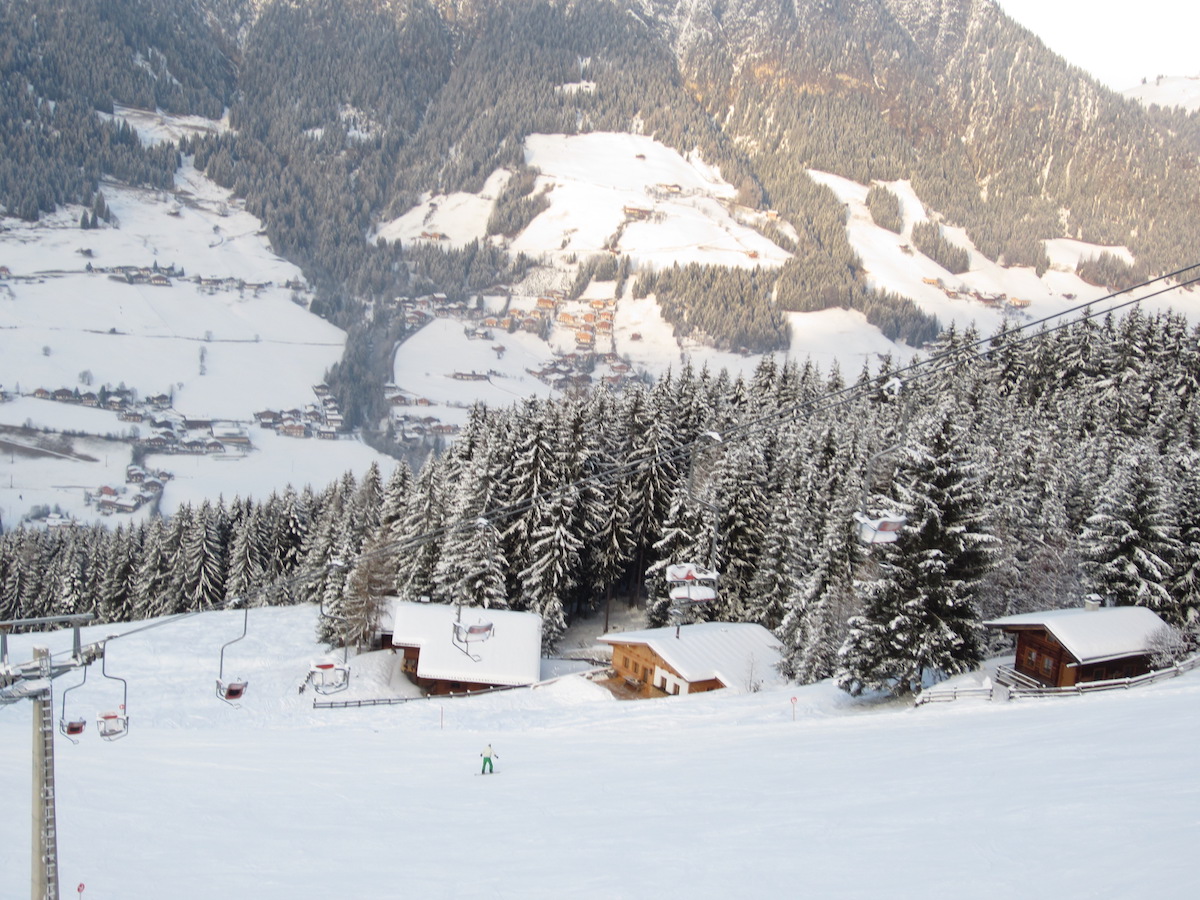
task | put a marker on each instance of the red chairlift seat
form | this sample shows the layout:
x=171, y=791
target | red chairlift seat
x=74, y=727
x=231, y=691
x=691, y=583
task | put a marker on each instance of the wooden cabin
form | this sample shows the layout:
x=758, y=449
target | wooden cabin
x=447, y=651
x=692, y=659
x=1065, y=647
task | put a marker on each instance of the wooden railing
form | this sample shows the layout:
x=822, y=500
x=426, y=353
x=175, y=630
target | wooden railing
x=945, y=695
x=1020, y=685
x=1111, y=684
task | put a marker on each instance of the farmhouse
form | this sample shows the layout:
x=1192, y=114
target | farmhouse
x=691, y=659
x=1065, y=647
x=445, y=650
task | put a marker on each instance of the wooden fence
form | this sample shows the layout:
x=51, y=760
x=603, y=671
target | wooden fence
x=1012, y=685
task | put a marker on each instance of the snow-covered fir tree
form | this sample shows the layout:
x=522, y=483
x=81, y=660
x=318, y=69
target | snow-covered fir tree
x=920, y=618
x=1130, y=543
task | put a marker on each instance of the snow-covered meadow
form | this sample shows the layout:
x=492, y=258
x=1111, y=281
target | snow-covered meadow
x=221, y=351
x=711, y=795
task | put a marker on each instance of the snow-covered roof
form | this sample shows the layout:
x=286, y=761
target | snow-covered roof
x=511, y=655
x=1092, y=635
x=735, y=653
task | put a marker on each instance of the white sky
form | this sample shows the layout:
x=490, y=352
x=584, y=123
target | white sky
x=1118, y=42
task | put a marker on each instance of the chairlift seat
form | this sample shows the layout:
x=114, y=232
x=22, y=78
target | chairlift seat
x=884, y=530
x=232, y=691
x=329, y=677
x=112, y=725
x=480, y=631
x=693, y=593
x=75, y=726
x=688, y=572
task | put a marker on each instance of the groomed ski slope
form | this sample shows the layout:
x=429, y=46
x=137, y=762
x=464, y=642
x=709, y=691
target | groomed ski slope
x=715, y=795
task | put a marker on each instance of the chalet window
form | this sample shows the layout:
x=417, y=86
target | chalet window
x=1031, y=657
x=1047, y=665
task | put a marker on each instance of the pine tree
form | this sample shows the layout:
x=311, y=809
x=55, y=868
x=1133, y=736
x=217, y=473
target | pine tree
x=416, y=534
x=920, y=617
x=553, y=570
x=1130, y=543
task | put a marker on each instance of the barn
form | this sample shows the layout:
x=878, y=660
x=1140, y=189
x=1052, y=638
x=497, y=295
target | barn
x=447, y=650
x=691, y=659
x=1065, y=647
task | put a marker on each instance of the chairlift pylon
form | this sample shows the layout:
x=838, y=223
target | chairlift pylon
x=231, y=691
x=113, y=724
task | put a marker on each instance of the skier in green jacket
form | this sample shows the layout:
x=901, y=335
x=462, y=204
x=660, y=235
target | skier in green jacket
x=487, y=755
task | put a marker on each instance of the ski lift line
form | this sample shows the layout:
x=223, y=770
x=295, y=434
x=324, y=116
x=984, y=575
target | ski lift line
x=113, y=637
x=941, y=361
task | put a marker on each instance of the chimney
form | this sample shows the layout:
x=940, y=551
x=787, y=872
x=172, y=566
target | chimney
x=1092, y=601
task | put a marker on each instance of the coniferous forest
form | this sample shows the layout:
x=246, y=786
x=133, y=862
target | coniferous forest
x=1032, y=468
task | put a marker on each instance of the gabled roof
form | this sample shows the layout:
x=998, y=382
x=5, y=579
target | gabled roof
x=731, y=652
x=1092, y=635
x=511, y=656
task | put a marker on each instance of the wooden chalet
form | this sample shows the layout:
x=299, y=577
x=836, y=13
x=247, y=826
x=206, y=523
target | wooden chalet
x=1065, y=647
x=444, y=650
x=692, y=659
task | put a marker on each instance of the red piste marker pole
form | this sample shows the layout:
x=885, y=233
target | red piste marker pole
x=793, y=709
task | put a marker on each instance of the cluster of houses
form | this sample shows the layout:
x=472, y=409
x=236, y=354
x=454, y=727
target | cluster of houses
x=321, y=419
x=963, y=293
x=449, y=650
x=589, y=326
x=119, y=401
x=411, y=423
x=445, y=649
x=159, y=276
x=169, y=431
x=569, y=371
x=141, y=486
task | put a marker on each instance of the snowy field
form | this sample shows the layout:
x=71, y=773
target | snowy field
x=1170, y=92
x=221, y=351
x=609, y=190
x=708, y=796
